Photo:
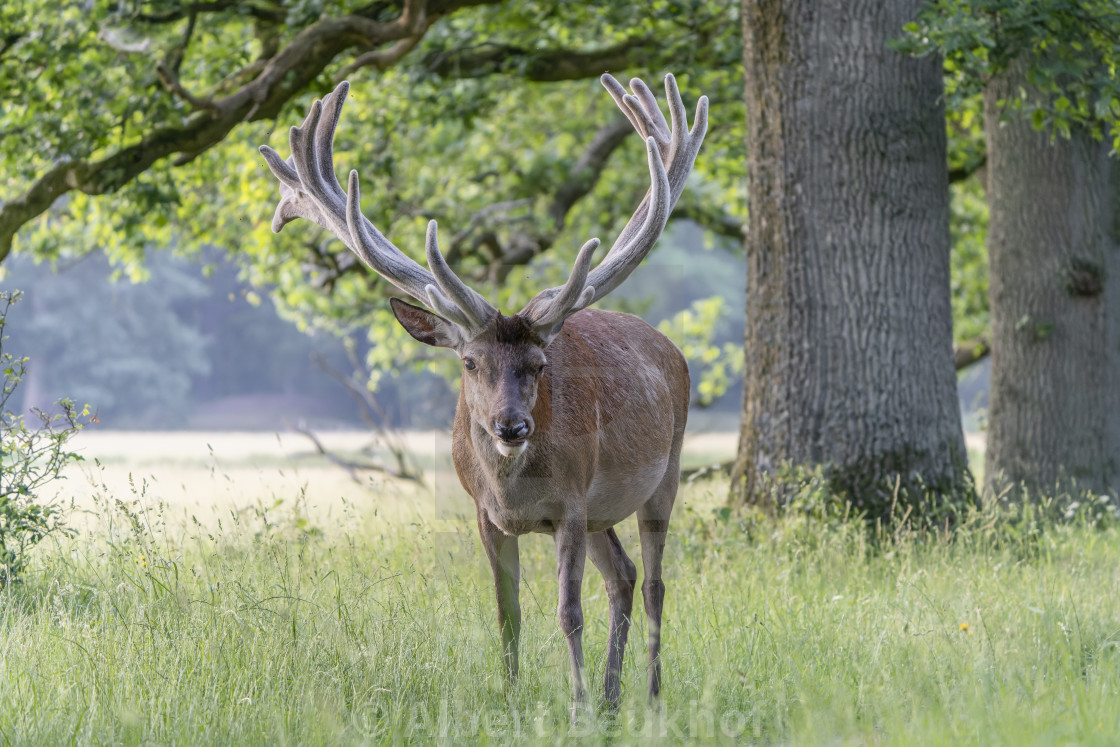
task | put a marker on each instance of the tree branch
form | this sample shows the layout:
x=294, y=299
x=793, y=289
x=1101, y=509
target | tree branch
x=521, y=246
x=287, y=73
x=692, y=474
x=971, y=351
x=542, y=65
x=350, y=466
x=382, y=59
x=481, y=218
x=713, y=220
x=266, y=85
x=215, y=6
x=370, y=411
x=174, y=59
x=588, y=168
x=960, y=173
x=171, y=82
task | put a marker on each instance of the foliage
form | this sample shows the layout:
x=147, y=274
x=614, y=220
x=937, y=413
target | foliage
x=466, y=128
x=1072, y=49
x=85, y=81
x=968, y=267
x=1073, y=46
x=693, y=330
x=280, y=624
x=31, y=459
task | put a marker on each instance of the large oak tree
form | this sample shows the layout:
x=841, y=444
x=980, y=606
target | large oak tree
x=1046, y=72
x=1054, y=251
x=849, y=328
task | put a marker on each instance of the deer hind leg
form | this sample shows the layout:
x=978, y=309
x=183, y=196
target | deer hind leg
x=501, y=550
x=621, y=577
x=653, y=528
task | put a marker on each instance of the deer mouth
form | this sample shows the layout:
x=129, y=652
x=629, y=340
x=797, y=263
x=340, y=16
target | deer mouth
x=511, y=448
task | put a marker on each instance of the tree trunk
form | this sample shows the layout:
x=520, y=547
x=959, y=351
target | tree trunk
x=849, y=354
x=1054, y=420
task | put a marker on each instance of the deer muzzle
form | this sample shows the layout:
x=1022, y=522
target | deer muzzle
x=512, y=431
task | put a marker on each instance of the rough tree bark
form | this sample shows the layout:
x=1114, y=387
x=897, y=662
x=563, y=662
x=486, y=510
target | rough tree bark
x=1054, y=254
x=849, y=354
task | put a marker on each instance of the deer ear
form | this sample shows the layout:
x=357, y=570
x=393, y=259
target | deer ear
x=428, y=328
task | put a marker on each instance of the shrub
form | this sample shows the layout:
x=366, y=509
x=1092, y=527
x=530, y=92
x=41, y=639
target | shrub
x=31, y=458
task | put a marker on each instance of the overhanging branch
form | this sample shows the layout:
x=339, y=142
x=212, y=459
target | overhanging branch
x=711, y=218
x=288, y=72
x=971, y=351
x=185, y=10
x=588, y=168
x=264, y=86
x=542, y=65
x=519, y=247
x=381, y=59
x=960, y=173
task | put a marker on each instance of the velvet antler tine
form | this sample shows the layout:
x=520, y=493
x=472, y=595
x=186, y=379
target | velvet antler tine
x=700, y=121
x=280, y=168
x=572, y=291
x=649, y=105
x=309, y=189
x=678, y=115
x=439, y=304
x=355, y=221
x=324, y=137
x=617, y=92
x=302, y=142
x=658, y=206
x=671, y=151
x=364, y=238
x=661, y=196
x=649, y=127
x=328, y=122
x=454, y=288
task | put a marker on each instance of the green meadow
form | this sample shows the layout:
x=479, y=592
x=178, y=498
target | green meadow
x=247, y=592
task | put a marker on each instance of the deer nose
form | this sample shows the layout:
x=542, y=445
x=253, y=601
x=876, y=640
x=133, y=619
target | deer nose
x=514, y=432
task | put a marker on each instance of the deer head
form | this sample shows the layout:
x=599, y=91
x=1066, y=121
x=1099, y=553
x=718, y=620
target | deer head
x=503, y=357
x=502, y=367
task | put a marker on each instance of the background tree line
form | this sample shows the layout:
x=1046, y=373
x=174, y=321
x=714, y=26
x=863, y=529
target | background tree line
x=195, y=346
x=866, y=146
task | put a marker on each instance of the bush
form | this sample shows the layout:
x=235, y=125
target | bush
x=31, y=458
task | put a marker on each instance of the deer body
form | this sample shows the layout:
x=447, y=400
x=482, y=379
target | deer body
x=601, y=439
x=569, y=419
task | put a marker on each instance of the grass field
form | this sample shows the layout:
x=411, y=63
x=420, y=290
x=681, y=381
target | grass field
x=246, y=592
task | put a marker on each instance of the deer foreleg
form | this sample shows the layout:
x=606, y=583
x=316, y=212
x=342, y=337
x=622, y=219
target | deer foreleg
x=501, y=550
x=571, y=544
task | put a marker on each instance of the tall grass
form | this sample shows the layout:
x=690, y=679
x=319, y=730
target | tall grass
x=270, y=625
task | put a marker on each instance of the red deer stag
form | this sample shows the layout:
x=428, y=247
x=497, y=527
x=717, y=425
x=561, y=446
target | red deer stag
x=569, y=419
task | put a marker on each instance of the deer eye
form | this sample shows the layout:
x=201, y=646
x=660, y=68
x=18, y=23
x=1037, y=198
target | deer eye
x=469, y=364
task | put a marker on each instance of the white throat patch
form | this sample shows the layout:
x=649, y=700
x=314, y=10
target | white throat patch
x=510, y=451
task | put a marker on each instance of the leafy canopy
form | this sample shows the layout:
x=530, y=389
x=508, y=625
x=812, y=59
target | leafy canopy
x=144, y=117
x=1073, y=46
